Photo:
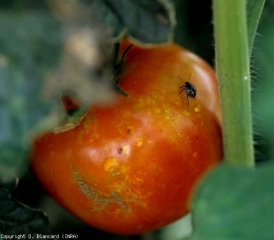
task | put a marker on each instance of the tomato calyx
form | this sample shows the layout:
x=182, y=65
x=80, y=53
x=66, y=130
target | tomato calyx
x=72, y=105
x=118, y=68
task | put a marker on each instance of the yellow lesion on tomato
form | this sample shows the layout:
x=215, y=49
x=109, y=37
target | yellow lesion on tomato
x=125, y=149
x=187, y=113
x=99, y=199
x=110, y=164
x=197, y=108
x=139, y=142
x=119, y=193
x=113, y=167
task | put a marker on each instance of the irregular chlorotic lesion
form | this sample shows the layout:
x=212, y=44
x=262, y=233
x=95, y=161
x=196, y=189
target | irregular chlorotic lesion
x=100, y=199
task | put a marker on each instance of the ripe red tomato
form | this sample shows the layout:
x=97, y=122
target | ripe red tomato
x=130, y=167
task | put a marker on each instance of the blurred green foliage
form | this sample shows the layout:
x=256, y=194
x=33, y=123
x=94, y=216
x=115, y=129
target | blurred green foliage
x=18, y=217
x=29, y=46
x=20, y=5
x=263, y=90
x=144, y=20
x=225, y=210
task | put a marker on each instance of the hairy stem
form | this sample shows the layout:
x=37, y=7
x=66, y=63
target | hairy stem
x=232, y=63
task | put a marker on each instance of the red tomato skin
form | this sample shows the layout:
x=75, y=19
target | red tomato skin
x=130, y=167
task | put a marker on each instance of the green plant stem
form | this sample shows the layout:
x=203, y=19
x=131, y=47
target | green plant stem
x=232, y=62
x=254, y=10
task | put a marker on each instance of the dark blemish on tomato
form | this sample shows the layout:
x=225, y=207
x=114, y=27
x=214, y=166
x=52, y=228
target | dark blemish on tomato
x=129, y=131
x=119, y=150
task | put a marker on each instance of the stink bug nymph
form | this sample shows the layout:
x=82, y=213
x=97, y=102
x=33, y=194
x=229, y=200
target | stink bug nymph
x=190, y=88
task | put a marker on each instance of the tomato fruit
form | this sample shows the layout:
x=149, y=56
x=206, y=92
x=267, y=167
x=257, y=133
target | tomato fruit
x=130, y=167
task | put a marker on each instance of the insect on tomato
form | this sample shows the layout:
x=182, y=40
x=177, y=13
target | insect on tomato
x=190, y=89
x=130, y=167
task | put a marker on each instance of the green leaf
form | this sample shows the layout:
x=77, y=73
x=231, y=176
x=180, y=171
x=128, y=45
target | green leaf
x=254, y=11
x=148, y=21
x=264, y=82
x=235, y=203
x=17, y=218
x=29, y=44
